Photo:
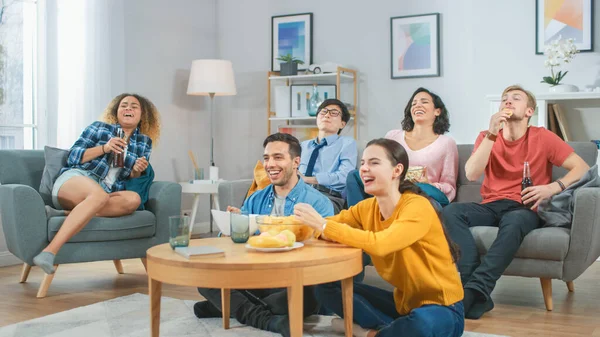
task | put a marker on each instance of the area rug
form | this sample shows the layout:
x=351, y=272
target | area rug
x=128, y=316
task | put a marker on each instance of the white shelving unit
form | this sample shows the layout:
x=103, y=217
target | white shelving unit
x=543, y=99
x=342, y=75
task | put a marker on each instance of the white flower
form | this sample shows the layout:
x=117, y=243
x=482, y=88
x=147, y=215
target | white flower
x=558, y=52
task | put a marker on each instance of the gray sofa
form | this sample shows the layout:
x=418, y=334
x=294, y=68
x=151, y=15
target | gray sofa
x=28, y=231
x=546, y=253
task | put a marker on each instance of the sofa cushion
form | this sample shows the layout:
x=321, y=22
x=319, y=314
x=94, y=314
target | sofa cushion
x=547, y=243
x=55, y=159
x=141, y=224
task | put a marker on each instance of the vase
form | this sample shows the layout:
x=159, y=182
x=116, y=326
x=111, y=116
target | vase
x=314, y=102
x=563, y=88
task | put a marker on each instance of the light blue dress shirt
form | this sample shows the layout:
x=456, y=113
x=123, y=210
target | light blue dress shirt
x=335, y=161
x=262, y=202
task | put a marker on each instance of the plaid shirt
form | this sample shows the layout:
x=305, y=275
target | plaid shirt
x=99, y=133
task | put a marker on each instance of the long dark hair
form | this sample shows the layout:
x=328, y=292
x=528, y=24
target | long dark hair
x=441, y=124
x=397, y=155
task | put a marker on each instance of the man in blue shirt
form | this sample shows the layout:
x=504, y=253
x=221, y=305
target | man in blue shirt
x=327, y=159
x=266, y=309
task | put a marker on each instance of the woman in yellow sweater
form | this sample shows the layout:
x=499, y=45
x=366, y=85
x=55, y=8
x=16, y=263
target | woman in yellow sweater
x=406, y=240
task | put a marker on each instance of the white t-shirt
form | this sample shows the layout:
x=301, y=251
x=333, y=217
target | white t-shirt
x=112, y=175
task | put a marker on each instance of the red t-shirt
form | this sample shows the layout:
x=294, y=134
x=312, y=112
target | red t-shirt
x=504, y=171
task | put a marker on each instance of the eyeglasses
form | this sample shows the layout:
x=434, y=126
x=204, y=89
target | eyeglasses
x=332, y=112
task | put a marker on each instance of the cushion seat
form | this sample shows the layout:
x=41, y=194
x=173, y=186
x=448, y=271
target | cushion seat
x=141, y=224
x=548, y=243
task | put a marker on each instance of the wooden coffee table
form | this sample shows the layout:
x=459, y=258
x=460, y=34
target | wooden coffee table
x=241, y=268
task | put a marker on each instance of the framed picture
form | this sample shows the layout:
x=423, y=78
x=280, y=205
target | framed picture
x=291, y=34
x=415, y=46
x=564, y=18
x=301, y=93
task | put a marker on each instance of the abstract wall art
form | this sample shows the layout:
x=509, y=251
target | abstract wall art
x=565, y=19
x=415, y=46
x=291, y=34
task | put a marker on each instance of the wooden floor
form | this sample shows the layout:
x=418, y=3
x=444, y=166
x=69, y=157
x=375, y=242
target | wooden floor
x=519, y=308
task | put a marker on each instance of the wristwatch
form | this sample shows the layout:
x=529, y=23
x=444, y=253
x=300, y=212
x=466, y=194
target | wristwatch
x=490, y=136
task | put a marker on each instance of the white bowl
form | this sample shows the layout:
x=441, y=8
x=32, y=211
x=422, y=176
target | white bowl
x=222, y=219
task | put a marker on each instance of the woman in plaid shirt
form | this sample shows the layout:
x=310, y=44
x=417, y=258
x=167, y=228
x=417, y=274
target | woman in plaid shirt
x=89, y=186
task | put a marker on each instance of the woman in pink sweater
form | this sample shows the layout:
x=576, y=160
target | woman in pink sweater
x=422, y=135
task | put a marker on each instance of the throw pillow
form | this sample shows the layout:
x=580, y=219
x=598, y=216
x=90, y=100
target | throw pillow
x=55, y=160
x=261, y=179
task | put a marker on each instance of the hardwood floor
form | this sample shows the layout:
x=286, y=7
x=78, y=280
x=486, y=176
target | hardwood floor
x=519, y=308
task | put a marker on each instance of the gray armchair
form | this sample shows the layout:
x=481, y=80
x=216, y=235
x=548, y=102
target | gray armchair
x=28, y=231
x=549, y=252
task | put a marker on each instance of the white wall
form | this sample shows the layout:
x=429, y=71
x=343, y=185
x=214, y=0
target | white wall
x=161, y=40
x=486, y=46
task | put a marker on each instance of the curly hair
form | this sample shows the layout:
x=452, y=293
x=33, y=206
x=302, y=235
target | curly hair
x=149, y=121
x=441, y=124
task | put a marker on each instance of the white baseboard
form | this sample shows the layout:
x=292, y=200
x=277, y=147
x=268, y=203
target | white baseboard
x=201, y=228
x=7, y=259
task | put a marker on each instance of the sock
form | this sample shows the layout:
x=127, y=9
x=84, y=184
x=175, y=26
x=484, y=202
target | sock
x=261, y=317
x=479, y=308
x=280, y=324
x=205, y=309
x=45, y=260
x=470, y=295
x=50, y=212
x=357, y=331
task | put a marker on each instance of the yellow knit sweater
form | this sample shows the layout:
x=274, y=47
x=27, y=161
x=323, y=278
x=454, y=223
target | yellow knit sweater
x=409, y=250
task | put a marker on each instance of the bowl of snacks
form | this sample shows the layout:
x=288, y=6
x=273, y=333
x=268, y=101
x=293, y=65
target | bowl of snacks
x=277, y=224
x=416, y=173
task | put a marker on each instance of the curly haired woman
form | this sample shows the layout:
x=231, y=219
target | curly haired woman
x=89, y=185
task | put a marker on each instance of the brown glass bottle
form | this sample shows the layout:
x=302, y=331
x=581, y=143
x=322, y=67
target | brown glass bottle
x=119, y=158
x=526, y=182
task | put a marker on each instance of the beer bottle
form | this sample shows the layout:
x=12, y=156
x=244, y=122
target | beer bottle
x=526, y=182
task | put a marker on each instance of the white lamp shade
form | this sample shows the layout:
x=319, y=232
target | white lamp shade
x=211, y=76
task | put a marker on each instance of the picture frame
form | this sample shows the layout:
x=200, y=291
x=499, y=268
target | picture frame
x=571, y=19
x=301, y=93
x=292, y=34
x=415, y=46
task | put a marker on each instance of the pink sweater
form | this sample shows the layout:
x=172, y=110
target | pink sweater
x=440, y=158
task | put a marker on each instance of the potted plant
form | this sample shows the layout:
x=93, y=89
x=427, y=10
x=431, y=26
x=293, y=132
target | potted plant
x=289, y=65
x=558, y=52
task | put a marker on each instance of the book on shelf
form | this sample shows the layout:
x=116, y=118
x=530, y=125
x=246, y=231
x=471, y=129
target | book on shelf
x=552, y=123
x=561, y=121
x=199, y=251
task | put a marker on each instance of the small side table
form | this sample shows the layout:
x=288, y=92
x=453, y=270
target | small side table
x=208, y=187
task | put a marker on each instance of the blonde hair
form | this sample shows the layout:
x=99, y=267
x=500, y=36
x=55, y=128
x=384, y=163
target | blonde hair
x=531, y=102
x=149, y=122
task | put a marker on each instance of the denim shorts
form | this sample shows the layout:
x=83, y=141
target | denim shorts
x=66, y=176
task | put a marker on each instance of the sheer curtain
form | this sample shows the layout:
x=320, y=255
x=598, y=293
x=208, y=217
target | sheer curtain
x=89, y=63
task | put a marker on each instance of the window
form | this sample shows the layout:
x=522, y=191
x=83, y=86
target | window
x=7, y=142
x=18, y=120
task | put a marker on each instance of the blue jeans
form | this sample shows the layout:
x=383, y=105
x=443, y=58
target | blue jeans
x=374, y=308
x=355, y=191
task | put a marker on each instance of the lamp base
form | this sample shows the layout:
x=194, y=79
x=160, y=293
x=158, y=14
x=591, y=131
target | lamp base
x=213, y=173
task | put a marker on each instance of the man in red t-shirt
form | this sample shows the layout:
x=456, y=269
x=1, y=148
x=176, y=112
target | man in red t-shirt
x=499, y=154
